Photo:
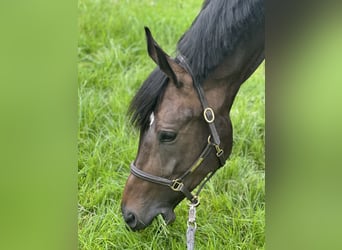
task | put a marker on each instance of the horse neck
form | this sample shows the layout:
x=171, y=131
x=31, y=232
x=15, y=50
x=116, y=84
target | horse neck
x=224, y=82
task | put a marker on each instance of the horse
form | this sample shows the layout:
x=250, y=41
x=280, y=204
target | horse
x=182, y=108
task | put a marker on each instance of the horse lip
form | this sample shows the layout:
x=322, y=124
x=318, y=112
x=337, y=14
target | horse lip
x=137, y=227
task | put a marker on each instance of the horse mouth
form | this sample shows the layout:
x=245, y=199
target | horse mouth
x=168, y=216
x=135, y=223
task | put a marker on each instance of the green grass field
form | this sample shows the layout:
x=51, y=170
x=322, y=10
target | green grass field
x=113, y=63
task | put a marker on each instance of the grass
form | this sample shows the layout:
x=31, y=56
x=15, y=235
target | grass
x=113, y=63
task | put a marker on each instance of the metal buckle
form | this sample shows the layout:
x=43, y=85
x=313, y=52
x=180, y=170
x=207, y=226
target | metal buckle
x=177, y=185
x=219, y=151
x=206, y=118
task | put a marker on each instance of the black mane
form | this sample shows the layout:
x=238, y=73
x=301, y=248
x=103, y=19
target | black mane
x=217, y=30
x=213, y=35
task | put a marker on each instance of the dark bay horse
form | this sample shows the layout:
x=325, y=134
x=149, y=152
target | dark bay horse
x=182, y=109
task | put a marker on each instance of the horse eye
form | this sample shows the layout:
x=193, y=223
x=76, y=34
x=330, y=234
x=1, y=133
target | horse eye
x=166, y=136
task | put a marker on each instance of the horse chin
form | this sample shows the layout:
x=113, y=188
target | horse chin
x=169, y=216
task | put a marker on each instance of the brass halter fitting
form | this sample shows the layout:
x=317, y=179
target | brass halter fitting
x=177, y=185
x=195, y=201
x=209, y=115
x=219, y=151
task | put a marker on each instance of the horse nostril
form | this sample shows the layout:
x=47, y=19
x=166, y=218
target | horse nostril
x=130, y=218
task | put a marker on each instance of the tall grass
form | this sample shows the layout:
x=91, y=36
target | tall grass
x=113, y=63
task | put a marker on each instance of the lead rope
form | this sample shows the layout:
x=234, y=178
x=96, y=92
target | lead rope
x=192, y=226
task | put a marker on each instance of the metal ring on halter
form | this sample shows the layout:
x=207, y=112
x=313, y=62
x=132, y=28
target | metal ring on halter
x=206, y=118
x=209, y=142
x=195, y=201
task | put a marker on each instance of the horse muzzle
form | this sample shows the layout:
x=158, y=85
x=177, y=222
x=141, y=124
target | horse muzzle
x=135, y=223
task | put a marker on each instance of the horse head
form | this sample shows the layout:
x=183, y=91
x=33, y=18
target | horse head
x=176, y=139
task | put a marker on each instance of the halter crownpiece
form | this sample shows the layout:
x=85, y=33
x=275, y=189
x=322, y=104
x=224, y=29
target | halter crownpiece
x=213, y=142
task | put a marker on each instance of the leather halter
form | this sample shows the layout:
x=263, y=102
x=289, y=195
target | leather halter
x=213, y=142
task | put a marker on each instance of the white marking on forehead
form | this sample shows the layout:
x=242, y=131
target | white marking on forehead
x=151, y=119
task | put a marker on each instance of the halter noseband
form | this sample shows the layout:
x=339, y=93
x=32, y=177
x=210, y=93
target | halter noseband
x=213, y=141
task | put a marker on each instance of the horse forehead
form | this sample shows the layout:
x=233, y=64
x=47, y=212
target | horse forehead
x=178, y=103
x=174, y=114
x=173, y=110
x=184, y=96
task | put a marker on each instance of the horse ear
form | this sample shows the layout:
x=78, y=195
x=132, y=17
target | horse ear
x=160, y=57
